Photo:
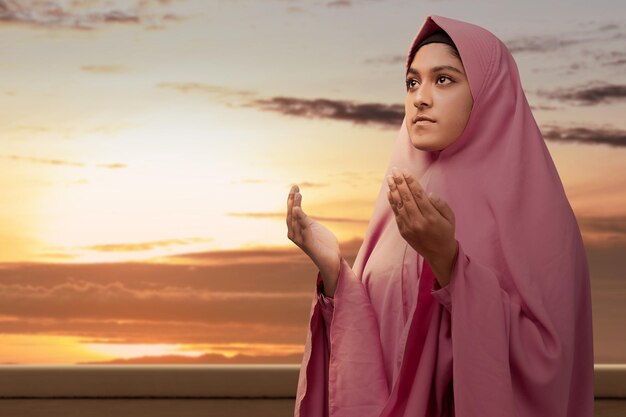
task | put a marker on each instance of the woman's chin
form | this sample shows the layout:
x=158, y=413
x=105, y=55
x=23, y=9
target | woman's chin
x=424, y=145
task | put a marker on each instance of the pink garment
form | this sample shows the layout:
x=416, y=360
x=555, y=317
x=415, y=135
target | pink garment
x=511, y=334
x=391, y=315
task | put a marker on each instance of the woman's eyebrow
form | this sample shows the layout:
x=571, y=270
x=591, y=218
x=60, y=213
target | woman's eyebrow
x=436, y=69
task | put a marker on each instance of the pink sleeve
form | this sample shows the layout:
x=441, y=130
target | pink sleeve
x=442, y=295
x=514, y=355
x=334, y=378
x=327, y=307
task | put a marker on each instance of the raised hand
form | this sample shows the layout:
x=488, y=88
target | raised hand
x=427, y=223
x=319, y=243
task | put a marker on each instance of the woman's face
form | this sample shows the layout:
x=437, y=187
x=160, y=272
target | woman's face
x=443, y=96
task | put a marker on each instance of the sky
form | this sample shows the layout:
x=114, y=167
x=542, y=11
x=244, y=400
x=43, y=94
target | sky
x=147, y=148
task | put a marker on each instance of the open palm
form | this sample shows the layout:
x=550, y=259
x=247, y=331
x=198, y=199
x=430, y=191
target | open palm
x=319, y=243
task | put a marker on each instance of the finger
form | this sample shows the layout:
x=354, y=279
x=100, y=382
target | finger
x=297, y=220
x=290, y=198
x=392, y=203
x=394, y=196
x=424, y=204
x=412, y=211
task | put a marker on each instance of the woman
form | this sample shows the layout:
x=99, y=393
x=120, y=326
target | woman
x=470, y=295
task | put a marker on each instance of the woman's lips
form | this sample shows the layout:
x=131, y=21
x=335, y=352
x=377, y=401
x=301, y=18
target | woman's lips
x=420, y=117
x=424, y=123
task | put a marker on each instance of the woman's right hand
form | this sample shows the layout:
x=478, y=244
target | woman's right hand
x=319, y=243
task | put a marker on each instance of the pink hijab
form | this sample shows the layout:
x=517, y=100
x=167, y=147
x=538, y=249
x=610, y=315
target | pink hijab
x=511, y=334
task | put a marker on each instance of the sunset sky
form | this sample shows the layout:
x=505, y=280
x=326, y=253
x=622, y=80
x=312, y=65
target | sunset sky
x=148, y=147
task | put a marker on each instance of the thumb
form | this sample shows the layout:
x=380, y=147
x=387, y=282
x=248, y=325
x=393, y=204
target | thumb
x=299, y=214
x=441, y=206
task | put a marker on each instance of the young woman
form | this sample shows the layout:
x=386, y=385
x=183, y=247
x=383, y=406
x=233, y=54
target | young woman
x=470, y=295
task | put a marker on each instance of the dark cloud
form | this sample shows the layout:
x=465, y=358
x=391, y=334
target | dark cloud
x=387, y=116
x=339, y=3
x=82, y=15
x=587, y=95
x=585, y=135
x=377, y=114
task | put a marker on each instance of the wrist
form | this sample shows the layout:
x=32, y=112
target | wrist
x=443, y=264
x=329, y=279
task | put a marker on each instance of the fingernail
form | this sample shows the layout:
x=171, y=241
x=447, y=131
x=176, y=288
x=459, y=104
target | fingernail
x=395, y=172
x=389, y=180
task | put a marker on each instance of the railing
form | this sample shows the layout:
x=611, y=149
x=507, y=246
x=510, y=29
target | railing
x=191, y=390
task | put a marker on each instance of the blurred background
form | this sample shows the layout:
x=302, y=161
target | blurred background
x=147, y=148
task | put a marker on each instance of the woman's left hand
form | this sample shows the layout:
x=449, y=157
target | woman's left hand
x=427, y=223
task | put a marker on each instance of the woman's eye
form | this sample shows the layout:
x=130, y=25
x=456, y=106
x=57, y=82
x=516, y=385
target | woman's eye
x=409, y=83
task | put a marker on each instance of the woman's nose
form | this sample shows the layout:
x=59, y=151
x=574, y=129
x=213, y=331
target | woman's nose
x=422, y=96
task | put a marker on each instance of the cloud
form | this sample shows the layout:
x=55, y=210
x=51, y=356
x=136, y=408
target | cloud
x=122, y=331
x=111, y=166
x=230, y=302
x=588, y=95
x=551, y=43
x=612, y=58
x=542, y=44
x=259, y=307
x=30, y=131
x=387, y=116
x=281, y=215
x=274, y=358
x=216, y=90
x=104, y=69
x=59, y=162
x=116, y=300
x=585, y=135
x=387, y=60
x=83, y=15
x=377, y=114
x=390, y=116
x=43, y=160
x=612, y=229
x=339, y=3
x=143, y=246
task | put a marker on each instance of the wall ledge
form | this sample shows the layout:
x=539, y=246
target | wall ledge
x=194, y=381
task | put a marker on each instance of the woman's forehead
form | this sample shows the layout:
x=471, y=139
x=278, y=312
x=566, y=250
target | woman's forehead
x=435, y=57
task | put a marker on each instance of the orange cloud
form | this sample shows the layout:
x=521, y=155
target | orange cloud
x=142, y=246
